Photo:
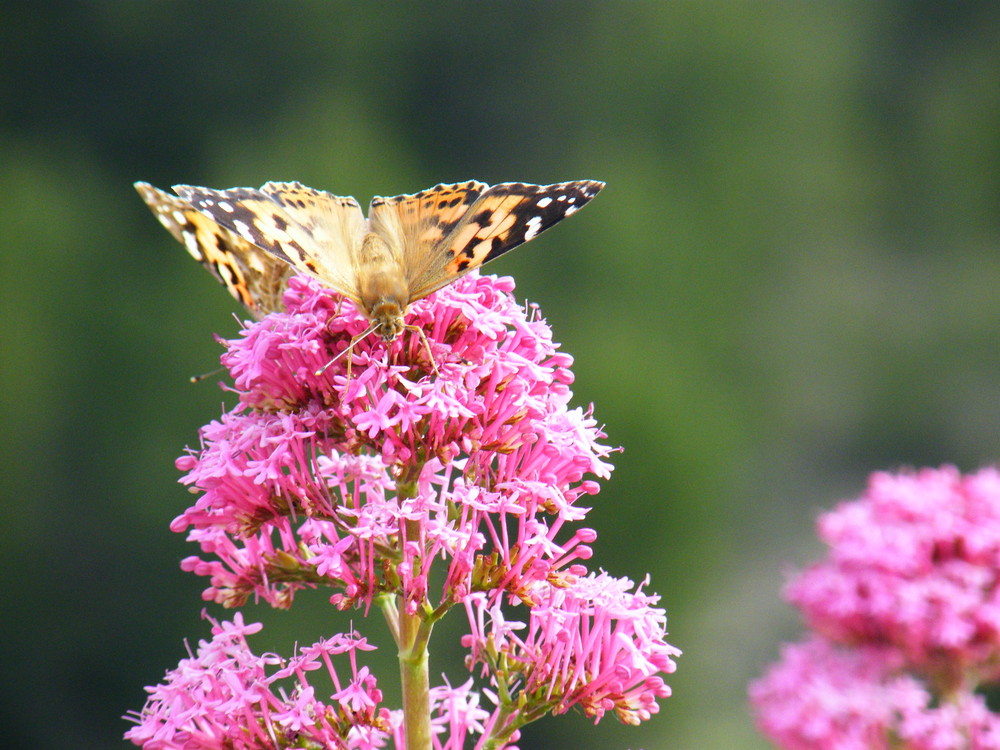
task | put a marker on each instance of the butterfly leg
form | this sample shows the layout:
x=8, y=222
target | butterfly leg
x=427, y=346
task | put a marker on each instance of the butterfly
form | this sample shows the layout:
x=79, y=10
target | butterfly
x=255, y=278
x=409, y=246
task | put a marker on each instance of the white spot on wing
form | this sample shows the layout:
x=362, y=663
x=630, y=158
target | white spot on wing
x=533, y=226
x=191, y=243
x=544, y=201
x=243, y=230
x=226, y=206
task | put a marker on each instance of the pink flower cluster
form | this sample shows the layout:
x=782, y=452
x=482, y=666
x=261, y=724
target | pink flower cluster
x=821, y=695
x=311, y=477
x=593, y=643
x=906, y=618
x=226, y=698
x=437, y=470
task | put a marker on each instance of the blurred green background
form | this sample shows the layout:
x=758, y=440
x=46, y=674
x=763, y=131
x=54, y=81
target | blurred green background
x=791, y=280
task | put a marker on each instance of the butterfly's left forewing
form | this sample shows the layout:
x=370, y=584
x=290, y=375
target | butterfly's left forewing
x=474, y=224
x=314, y=231
x=253, y=277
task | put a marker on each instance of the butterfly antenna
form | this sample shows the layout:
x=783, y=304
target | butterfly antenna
x=350, y=347
x=199, y=378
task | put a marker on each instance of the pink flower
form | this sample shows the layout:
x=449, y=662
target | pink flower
x=915, y=564
x=226, y=697
x=415, y=475
x=457, y=719
x=825, y=697
x=905, y=618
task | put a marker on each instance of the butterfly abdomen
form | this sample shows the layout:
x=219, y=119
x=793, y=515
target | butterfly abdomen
x=382, y=285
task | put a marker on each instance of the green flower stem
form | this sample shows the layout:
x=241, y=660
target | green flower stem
x=412, y=633
x=414, y=674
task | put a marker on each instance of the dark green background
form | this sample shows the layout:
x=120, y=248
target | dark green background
x=790, y=280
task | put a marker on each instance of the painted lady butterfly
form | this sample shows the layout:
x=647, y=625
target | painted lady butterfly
x=407, y=248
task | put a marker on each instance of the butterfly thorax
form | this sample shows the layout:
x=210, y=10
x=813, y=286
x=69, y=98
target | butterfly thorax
x=382, y=285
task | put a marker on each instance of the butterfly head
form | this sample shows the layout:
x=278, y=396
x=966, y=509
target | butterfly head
x=388, y=316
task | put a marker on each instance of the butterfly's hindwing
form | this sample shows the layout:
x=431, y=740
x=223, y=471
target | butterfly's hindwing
x=253, y=277
x=419, y=224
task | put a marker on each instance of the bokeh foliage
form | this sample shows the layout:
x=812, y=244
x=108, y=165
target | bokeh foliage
x=791, y=280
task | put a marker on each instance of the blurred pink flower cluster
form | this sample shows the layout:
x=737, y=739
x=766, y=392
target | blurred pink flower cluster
x=905, y=614
x=416, y=476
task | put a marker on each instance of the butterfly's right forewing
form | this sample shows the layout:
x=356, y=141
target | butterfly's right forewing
x=478, y=223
